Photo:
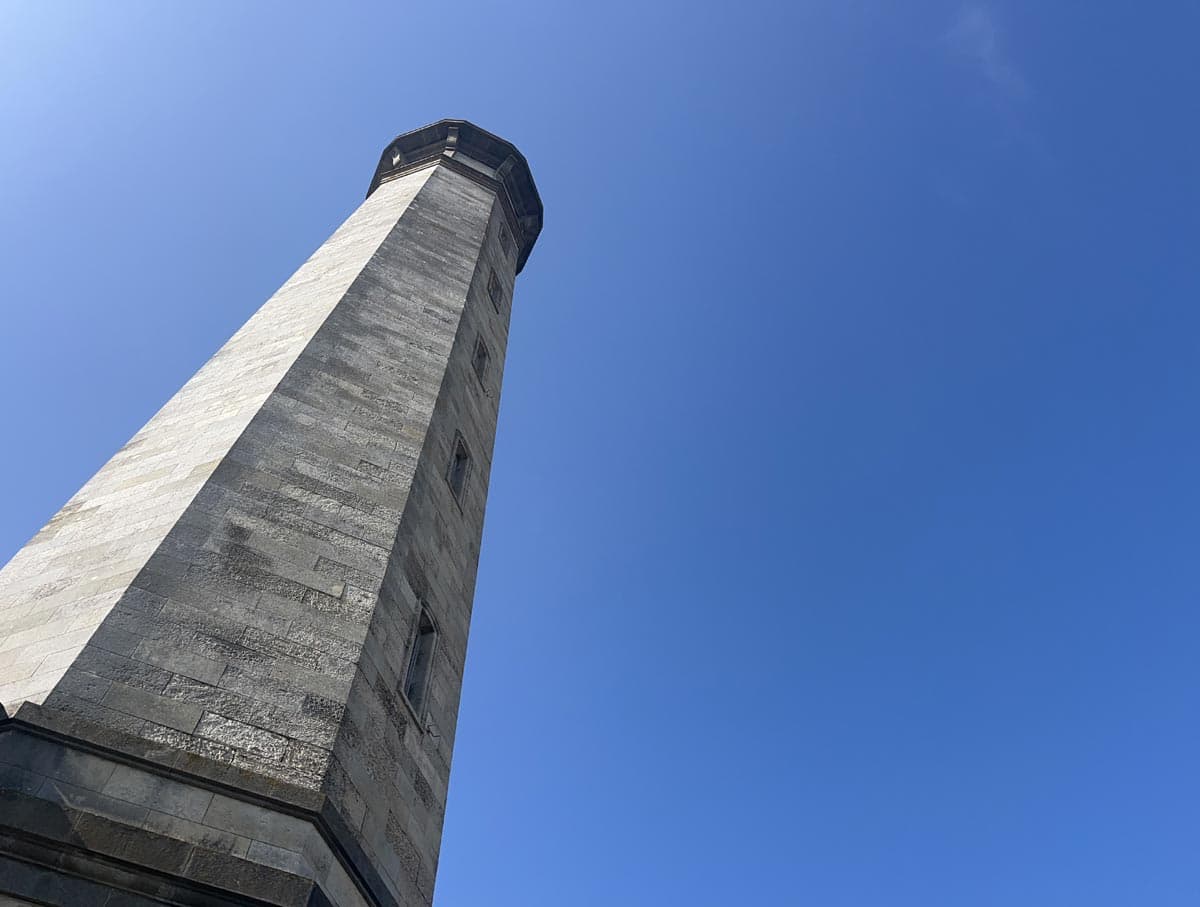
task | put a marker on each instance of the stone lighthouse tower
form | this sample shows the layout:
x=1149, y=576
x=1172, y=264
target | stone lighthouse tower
x=230, y=665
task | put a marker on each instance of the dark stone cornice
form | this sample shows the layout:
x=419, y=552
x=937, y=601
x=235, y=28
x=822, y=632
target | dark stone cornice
x=441, y=141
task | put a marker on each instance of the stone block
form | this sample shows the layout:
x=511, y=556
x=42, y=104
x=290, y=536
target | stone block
x=257, y=823
x=158, y=793
x=262, y=744
x=102, y=835
x=201, y=835
x=251, y=879
x=183, y=716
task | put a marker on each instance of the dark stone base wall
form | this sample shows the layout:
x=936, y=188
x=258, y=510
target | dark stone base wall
x=82, y=823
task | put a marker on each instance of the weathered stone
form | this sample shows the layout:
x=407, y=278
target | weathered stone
x=209, y=643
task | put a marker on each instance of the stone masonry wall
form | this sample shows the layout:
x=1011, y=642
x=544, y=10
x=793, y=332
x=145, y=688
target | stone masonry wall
x=392, y=766
x=302, y=516
x=64, y=582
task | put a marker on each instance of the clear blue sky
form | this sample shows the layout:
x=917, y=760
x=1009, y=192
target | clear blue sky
x=842, y=545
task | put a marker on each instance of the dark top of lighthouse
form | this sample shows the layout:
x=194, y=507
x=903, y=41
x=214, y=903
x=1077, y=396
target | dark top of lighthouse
x=478, y=154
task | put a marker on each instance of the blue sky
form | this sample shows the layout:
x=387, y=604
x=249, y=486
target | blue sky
x=842, y=541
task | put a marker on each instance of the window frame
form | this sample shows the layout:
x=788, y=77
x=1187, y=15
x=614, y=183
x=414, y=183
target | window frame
x=495, y=290
x=419, y=706
x=460, y=443
x=481, y=346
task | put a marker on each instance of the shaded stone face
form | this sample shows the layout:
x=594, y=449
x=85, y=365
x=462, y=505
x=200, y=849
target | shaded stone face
x=232, y=661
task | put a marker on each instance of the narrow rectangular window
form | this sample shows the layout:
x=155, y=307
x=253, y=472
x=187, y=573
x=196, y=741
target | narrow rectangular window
x=460, y=468
x=506, y=242
x=480, y=360
x=495, y=293
x=420, y=663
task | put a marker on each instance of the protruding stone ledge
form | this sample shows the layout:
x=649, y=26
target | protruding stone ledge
x=114, y=821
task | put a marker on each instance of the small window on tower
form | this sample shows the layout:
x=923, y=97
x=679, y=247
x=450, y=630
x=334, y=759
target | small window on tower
x=495, y=293
x=460, y=468
x=506, y=243
x=420, y=663
x=480, y=360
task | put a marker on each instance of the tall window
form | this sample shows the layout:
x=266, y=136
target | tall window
x=459, y=469
x=506, y=242
x=420, y=663
x=495, y=293
x=479, y=361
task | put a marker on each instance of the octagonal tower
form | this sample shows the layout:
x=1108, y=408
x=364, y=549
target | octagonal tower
x=230, y=665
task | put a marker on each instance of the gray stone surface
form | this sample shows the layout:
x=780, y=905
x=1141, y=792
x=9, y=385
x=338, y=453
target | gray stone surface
x=221, y=617
x=137, y=815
